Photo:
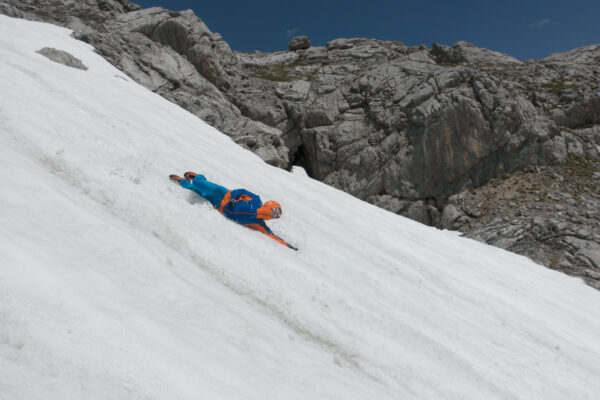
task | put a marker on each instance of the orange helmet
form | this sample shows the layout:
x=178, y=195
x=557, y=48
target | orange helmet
x=270, y=210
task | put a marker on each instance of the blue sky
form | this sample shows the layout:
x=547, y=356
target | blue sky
x=524, y=29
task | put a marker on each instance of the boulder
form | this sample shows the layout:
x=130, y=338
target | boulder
x=450, y=215
x=62, y=57
x=299, y=43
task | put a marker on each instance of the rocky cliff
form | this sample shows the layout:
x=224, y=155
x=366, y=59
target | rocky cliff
x=456, y=137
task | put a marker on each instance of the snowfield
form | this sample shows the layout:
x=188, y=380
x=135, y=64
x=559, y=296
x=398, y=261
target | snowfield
x=116, y=283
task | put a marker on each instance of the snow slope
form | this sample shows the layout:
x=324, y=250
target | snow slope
x=116, y=283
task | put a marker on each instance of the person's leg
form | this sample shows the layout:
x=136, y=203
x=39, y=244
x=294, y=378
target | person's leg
x=199, y=185
x=211, y=191
x=203, y=189
x=190, y=175
x=184, y=183
x=199, y=181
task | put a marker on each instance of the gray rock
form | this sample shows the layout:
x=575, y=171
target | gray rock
x=450, y=215
x=299, y=43
x=463, y=52
x=418, y=212
x=10, y=10
x=555, y=150
x=586, y=250
x=574, y=146
x=78, y=27
x=185, y=34
x=117, y=6
x=390, y=203
x=595, y=275
x=62, y=57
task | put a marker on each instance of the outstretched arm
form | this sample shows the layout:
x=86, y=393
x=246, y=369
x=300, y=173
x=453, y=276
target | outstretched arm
x=262, y=227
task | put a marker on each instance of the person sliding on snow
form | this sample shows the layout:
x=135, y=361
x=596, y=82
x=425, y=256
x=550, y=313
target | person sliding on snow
x=240, y=205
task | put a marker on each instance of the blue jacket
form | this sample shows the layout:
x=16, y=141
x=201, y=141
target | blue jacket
x=241, y=206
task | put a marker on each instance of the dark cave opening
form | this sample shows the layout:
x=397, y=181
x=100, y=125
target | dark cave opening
x=300, y=158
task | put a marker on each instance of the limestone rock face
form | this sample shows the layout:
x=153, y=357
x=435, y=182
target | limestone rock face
x=383, y=121
x=184, y=33
x=118, y=6
x=10, y=10
x=466, y=53
x=425, y=133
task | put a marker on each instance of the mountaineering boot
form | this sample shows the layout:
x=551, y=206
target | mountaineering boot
x=190, y=175
x=175, y=178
